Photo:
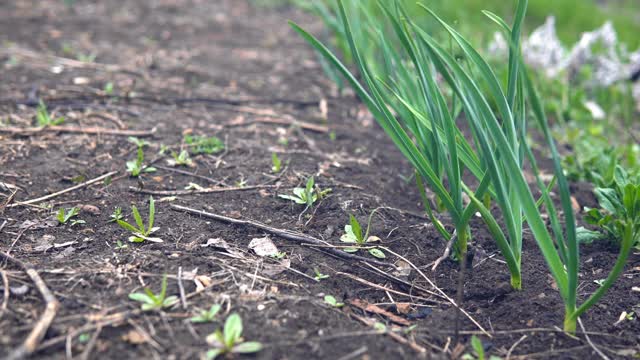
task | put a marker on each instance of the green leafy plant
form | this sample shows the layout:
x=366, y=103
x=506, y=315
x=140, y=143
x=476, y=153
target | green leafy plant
x=230, y=341
x=318, y=275
x=43, y=118
x=353, y=235
x=478, y=349
x=331, y=300
x=180, y=159
x=307, y=195
x=204, y=144
x=138, y=142
x=140, y=233
x=407, y=101
x=276, y=164
x=116, y=215
x=207, y=315
x=136, y=167
x=619, y=215
x=151, y=301
x=64, y=215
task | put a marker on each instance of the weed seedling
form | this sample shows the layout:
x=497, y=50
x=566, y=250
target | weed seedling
x=478, y=349
x=117, y=215
x=151, y=301
x=204, y=145
x=181, y=159
x=229, y=340
x=307, y=195
x=64, y=215
x=44, y=118
x=138, y=142
x=108, y=89
x=206, y=316
x=276, y=164
x=140, y=233
x=330, y=300
x=319, y=276
x=136, y=167
x=353, y=235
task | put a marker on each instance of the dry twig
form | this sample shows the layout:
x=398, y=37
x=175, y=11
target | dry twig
x=283, y=233
x=73, y=188
x=76, y=130
x=30, y=344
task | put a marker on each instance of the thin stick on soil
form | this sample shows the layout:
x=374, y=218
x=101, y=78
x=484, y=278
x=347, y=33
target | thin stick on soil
x=595, y=348
x=513, y=347
x=75, y=130
x=56, y=194
x=30, y=344
x=202, y=191
x=5, y=298
x=414, y=346
x=446, y=253
x=283, y=233
x=449, y=299
x=187, y=173
x=183, y=299
x=460, y=295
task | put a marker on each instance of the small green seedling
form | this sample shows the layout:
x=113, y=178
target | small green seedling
x=140, y=233
x=108, y=88
x=120, y=245
x=181, y=159
x=204, y=144
x=64, y=215
x=151, y=301
x=319, y=276
x=206, y=316
x=330, y=300
x=478, y=349
x=276, y=163
x=279, y=255
x=353, y=235
x=136, y=167
x=307, y=195
x=138, y=142
x=230, y=341
x=44, y=118
x=116, y=215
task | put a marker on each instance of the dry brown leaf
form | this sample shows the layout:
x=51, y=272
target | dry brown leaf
x=364, y=305
x=134, y=337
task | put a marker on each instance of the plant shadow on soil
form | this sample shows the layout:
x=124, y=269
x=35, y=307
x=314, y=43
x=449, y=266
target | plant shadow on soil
x=170, y=50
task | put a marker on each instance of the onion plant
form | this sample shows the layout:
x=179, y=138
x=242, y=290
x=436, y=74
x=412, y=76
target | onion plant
x=407, y=96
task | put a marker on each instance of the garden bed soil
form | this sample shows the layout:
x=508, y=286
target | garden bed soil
x=229, y=69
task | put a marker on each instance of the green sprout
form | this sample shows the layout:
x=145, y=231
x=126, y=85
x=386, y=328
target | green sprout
x=353, y=235
x=478, y=349
x=108, y=88
x=229, y=340
x=65, y=215
x=136, y=167
x=151, y=301
x=116, y=215
x=181, y=159
x=307, y=195
x=206, y=316
x=331, y=301
x=204, y=144
x=276, y=164
x=43, y=117
x=138, y=142
x=141, y=233
x=318, y=275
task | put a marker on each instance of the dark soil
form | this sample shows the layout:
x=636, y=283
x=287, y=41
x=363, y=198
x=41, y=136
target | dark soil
x=244, y=67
